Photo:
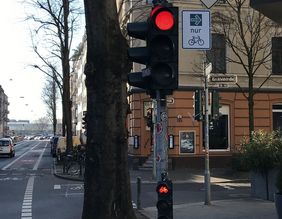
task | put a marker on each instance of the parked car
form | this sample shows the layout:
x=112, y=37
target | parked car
x=54, y=143
x=7, y=147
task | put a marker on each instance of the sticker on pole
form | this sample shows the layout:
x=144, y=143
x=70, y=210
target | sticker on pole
x=159, y=128
x=164, y=116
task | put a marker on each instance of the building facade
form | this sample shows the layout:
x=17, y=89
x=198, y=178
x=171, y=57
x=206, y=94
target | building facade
x=78, y=91
x=185, y=134
x=3, y=113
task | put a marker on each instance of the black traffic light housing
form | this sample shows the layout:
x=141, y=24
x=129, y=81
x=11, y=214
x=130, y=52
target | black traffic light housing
x=215, y=105
x=84, y=121
x=140, y=55
x=198, y=110
x=162, y=43
x=160, y=55
x=165, y=199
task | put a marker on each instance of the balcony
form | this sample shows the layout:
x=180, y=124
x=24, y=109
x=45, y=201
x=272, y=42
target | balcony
x=270, y=8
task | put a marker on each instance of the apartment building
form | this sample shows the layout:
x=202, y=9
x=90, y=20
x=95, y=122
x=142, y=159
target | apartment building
x=78, y=90
x=3, y=113
x=186, y=135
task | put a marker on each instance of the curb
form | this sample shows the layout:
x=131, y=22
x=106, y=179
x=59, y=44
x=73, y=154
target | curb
x=63, y=176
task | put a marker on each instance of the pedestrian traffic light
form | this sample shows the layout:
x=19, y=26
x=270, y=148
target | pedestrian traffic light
x=215, y=105
x=165, y=199
x=162, y=42
x=140, y=55
x=198, y=110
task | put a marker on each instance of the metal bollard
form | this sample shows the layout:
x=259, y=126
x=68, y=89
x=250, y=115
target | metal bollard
x=138, y=193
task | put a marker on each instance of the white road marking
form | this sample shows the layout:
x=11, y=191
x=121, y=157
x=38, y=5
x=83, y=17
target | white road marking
x=40, y=157
x=57, y=186
x=27, y=202
x=14, y=161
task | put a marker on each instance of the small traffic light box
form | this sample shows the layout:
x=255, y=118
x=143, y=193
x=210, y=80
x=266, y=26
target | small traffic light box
x=140, y=55
x=165, y=199
x=198, y=110
x=162, y=43
x=215, y=105
x=84, y=121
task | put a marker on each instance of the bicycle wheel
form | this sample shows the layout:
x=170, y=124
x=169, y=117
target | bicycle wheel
x=74, y=169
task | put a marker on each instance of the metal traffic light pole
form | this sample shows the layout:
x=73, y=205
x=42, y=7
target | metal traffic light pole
x=207, y=71
x=161, y=156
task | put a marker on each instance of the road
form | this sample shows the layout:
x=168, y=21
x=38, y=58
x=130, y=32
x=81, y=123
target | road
x=30, y=190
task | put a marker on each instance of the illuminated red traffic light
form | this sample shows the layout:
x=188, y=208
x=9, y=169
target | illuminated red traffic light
x=163, y=190
x=164, y=20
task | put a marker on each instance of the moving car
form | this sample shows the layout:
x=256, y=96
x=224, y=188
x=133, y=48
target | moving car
x=7, y=147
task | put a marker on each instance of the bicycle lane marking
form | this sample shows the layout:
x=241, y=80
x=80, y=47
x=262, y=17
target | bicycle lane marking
x=14, y=161
x=26, y=212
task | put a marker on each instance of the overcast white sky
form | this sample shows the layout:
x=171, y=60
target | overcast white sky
x=22, y=84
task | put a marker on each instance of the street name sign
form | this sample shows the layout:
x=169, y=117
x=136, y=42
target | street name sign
x=196, y=33
x=208, y=3
x=228, y=79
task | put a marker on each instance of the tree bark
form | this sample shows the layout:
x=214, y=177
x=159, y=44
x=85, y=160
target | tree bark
x=107, y=186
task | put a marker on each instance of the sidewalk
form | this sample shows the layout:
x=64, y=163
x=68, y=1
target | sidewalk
x=58, y=172
x=245, y=208
x=223, y=209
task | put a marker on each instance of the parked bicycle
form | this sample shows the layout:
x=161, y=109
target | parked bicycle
x=74, y=162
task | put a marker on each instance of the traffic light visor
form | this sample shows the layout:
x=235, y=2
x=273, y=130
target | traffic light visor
x=164, y=20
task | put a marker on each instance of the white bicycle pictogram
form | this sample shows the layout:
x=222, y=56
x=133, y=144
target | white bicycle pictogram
x=196, y=39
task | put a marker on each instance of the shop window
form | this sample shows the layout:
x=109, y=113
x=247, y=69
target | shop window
x=217, y=54
x=277, y=55
x=277, y=117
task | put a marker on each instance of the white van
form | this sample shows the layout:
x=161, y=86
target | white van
x=7, y=147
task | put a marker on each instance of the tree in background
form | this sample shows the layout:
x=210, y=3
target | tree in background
x=50, y=97
x=248, y=34
x=52, y=36
x=107, y=186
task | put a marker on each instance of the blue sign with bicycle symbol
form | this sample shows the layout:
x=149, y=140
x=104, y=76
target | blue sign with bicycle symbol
x=196, y=29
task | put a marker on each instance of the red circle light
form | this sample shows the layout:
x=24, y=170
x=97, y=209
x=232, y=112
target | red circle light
x=164, y=20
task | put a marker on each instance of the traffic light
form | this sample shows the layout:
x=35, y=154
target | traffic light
x=140, y=55
x=84, y=121
x=162, y=42
x=165, y=199
x=198, y=110
x=160, y=55
x=215, y=105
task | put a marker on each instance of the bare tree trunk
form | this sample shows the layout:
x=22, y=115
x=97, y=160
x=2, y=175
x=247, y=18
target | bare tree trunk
x=66, y=75
x=107, y=186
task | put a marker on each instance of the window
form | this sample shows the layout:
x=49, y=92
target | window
x=277, y=117
x=217, y=55
x=277, y=55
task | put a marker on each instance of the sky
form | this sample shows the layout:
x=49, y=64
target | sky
x=21, y=83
